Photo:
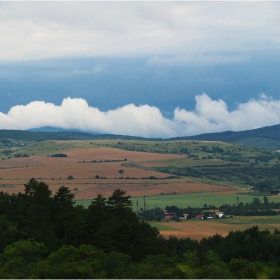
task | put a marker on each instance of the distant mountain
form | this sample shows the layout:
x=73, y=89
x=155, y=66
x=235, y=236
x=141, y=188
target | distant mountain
x=266, y=137
x=56, y=129
x=23, y=135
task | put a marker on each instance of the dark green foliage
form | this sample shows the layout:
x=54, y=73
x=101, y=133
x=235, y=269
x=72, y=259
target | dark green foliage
x=110, y=224
x=36, y=207
x=19, y=155
x=156, y=214
x=44, y=236
x=59, y=155
x=65, y=212
x=19, y=258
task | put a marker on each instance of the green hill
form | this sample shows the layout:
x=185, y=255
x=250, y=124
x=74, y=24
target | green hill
x=266, y=137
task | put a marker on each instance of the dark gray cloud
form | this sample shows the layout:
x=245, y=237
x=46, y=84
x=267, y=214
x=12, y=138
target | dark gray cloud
x=155, y=54
x=108, y=83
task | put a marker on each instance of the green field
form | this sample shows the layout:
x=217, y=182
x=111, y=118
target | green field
x=191, y=199
x=162, y=227
x=44, y=148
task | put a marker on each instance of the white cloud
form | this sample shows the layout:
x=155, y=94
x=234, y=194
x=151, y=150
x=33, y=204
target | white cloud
x=147, y=121
x=186, y=29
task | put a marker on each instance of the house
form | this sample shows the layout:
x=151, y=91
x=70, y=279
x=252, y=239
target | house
x=169, y=216
x=199, y=217
x=185, y=217
x=220, y=214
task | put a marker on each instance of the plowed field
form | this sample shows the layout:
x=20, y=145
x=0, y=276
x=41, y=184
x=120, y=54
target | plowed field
x=198, y=229
x=84, y=164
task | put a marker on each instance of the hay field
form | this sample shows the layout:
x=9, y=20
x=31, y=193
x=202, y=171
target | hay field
x=15, y=172
x=198, y=229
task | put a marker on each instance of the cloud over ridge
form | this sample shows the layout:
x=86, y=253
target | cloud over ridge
x=147, y=121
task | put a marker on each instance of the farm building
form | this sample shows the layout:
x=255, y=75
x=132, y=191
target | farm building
x=220, y=214
x=169, y=216
x=199, y=217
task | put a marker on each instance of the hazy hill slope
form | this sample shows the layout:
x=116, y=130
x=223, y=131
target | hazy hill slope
x=12, y=138
x=265, y=137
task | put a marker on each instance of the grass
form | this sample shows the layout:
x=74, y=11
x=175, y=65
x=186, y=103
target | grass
x=51, y=147
x=163, y=227
x=190, y=199
x=194, y=200
x=84, y=203
x=254, y=194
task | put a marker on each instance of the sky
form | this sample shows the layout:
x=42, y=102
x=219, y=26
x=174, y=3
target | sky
x=147, y=68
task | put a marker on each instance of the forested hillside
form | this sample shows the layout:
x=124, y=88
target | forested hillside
x=266, y=137
x=48, y=236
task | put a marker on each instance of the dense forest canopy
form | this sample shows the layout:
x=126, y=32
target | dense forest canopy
x=48, y=236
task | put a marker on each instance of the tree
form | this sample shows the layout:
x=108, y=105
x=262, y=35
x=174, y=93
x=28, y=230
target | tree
x=265, y=201
x=97, y=213
x=38, y=211
x=64, y=201
x=256, y=201
x=70, y=262
x=121, y=171
x=19, y=256
x=119, y=204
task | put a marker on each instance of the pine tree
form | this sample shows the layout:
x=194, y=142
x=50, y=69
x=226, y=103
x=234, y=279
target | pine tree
x=64, y=202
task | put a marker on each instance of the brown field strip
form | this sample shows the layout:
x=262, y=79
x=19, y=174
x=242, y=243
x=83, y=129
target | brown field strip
x=54, y=171
x=200, y=229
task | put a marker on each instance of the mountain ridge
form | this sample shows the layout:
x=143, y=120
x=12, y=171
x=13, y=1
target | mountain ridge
x=266, y=137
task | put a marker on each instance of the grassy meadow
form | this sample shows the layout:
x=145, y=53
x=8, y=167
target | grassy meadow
x=193, y=199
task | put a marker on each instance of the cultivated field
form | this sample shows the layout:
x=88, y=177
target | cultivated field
x=198, y=229
x=154, y=170
x=85, y=160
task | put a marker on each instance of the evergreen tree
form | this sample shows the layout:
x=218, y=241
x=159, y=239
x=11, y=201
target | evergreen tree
x=64, y=201
x=38, y=208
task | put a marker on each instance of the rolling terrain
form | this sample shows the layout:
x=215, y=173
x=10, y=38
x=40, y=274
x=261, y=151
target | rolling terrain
x=266, y=137
x=178, y=172
x=139, y=167
x=95, y=167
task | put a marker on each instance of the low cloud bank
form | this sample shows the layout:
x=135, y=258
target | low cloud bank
x=147, y=121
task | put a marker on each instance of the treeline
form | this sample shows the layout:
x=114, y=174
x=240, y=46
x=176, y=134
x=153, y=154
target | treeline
x=109, y=224
x=248, y=254
x=254, y=208
x=262, y=178
x=45, y=236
